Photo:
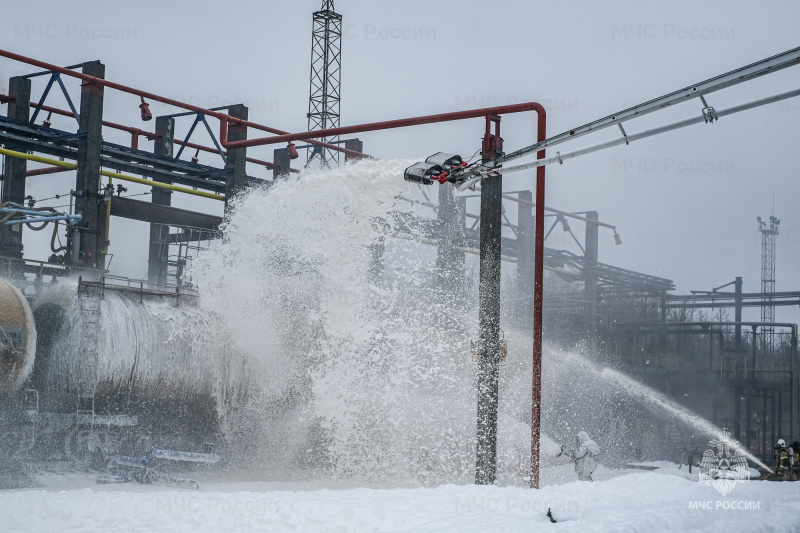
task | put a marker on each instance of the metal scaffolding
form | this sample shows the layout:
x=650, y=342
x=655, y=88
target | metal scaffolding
x=769, y=230
x=326, y=68
x=178, y=246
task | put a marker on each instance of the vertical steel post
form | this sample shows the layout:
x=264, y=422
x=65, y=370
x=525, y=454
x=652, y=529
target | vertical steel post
x=489, y=313
x=449, y=261
x=236, y=158
x=87, y=181
x=737, y=414
x=157, y=265
x=526, y=234
x=764, y=425
x=280, y=157
x=353, y=144
x=737, y=283
x=19, y=89
x=793, y=411
x=748, y=410
x=591, y=243
x=772, y=418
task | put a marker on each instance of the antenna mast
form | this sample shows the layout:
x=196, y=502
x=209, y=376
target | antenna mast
x=326, y=68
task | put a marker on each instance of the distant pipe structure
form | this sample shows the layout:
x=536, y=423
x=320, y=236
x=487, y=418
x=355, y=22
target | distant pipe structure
x=556, y=211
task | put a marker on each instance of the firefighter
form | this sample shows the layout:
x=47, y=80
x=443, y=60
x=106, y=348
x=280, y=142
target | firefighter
x=583, y=452
x=784, y=462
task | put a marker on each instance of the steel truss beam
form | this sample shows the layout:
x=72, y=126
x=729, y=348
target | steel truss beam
x=29, y=137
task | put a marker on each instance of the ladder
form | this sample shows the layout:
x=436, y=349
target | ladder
x=87, y=352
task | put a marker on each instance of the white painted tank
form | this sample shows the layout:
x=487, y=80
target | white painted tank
x=153, y=350
x=17, y=338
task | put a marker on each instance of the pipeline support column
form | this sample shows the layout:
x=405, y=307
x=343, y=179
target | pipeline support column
x=525, y=243
x=14, y=176
x=489, y=312
x=738, y=312
x=591, y=243
x=158, y=254
x=449, y=261
x=237, y=156
x=87, y=182
x=353, y=144
x=282, y=163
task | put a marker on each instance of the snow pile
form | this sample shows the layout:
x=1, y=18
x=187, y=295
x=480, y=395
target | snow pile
x=633, y=503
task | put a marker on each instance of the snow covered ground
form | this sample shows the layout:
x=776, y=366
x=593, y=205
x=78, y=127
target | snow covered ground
x=664, y=500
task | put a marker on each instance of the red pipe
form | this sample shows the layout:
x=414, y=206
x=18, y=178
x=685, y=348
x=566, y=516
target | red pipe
x=373, y=126
x=538, y=288
x=223, y=117
x=45, y=170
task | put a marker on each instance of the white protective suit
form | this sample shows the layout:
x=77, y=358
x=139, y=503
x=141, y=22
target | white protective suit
x=583, y=452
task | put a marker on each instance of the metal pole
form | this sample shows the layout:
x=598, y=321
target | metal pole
x=538, y=287
x=526, y=234
x=158, y=253
x=591, y=242
x=89, y=162
x=236, y=158
x=13, y=185
x=792, y=423
x=738, y=313
x=489, y=315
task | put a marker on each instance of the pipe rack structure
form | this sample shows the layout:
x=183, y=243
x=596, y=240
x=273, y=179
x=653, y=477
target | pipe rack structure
x=168, y=173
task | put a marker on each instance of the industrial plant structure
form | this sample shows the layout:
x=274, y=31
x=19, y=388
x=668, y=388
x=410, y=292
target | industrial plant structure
x=61, y=402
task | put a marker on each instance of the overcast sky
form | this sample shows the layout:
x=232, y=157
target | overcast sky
x=685, y=202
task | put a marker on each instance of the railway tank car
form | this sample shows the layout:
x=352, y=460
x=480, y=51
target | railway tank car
x=114, y=370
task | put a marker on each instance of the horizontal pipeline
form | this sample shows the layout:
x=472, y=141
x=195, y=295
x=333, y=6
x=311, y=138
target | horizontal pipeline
x=560, y=158
x=107, y=173
x=70, y=218
x=385, y=125
x=137, y=132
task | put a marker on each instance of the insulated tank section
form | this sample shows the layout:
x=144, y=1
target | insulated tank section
x=17, y=338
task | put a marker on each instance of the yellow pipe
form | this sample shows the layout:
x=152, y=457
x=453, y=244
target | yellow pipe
x=108, y=214
x=107, y=173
